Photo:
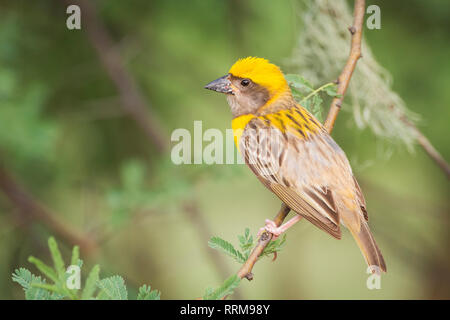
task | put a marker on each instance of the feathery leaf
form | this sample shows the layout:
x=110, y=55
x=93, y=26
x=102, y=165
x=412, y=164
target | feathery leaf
x=112, y=288
x=225, y=289
x=91, y=283
x=145, y=293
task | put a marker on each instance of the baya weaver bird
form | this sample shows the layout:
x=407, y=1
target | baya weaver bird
x=293, y=155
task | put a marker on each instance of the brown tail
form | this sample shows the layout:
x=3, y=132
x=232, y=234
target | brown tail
x=368, y=246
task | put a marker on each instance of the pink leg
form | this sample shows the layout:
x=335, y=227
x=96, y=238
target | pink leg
x=277, y=231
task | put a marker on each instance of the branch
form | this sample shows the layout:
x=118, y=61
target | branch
x=344, y=78
x=246, y=270
x=30, y=208
x=346, y=74
x=133, y=102
x=425, y=143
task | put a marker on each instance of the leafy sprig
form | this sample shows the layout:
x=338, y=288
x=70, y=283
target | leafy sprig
x=246, y=243
x=226, y=289
x=37, y=287
x=309, y=97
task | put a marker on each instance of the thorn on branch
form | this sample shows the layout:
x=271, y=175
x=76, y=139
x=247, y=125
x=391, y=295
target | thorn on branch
x=275, y=255
x=352, y=30
x=249, y=276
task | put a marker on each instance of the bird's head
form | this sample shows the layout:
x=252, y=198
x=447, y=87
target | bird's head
x=251, y=83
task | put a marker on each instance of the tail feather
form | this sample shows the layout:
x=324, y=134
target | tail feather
x=368, y=246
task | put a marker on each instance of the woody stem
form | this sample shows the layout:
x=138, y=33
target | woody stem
x=347, y=72
x=263, y=241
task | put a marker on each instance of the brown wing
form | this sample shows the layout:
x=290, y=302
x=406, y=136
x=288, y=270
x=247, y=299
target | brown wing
x=298, y=170
x=361, y=200
x=311, y=174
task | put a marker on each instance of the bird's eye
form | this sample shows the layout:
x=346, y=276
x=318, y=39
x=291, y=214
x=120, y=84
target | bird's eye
x=245, y=82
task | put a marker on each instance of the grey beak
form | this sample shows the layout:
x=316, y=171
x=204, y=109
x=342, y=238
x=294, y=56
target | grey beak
x=222, y=85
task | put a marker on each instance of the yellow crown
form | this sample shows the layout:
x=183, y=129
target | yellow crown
x=262, y=72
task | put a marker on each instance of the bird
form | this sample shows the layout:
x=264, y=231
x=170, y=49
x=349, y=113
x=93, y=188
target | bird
x=294, y=156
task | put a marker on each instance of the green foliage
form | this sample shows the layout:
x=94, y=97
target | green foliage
x=30, y=284
x=322, y=51
x=64, y=135
x=37, y=288
x=305, y=94
x=91, y=283
x=145, y=293
x=75, y=256
x=227, y=248
x=134, y=195
x=57, y=258
x=112, y=288
x=246, y=244
x=274, y=247
x=226, y=289
x=131, y=196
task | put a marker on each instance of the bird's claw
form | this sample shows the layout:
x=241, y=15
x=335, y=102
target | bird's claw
x=272, y=228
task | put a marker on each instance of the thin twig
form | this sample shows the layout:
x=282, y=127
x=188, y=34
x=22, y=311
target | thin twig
x=31, y=209
x=246, y=270
x=355, y=53
x=132, y=99
x=431, y=151
x=134, y=104
x=425, y=143
x=346, y=74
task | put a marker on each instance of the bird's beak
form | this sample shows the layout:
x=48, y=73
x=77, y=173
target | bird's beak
x=222, y=85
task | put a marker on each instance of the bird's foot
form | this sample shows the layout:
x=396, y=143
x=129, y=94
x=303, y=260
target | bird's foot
x=272, y=228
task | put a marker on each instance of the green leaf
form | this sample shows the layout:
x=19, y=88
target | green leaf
x=225, y=289
x=36, y=293
x=297, y=94
x=56, y=296
x=91, y=283
x=246, y=243
x=208, y=292
x=314, y=105
x=48, y=287
x=132, y=174
x=145, y=293
x=45, y=269
x=297, y=81
x=227, y=248
x=316, y=108
x=75, y=256
x=23, y=277
x=34, y=286
x=331, y=90
x=57, y=258
x=274, y=246
x=112, y=288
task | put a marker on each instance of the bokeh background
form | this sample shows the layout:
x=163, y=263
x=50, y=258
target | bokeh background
x=77, y=163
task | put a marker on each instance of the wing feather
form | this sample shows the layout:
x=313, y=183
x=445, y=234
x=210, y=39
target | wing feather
x=283, y=162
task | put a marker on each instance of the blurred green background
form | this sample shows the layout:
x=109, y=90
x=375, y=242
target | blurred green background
x=66, y=140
